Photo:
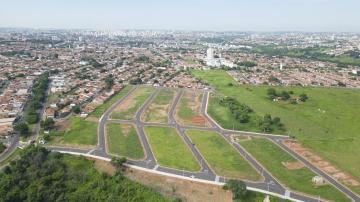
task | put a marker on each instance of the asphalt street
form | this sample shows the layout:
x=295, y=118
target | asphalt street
x=269, y=183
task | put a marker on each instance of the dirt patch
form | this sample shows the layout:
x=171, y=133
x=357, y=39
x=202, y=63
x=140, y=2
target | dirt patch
x=126, y=129
x=104, y=166
x=240, y=138
x=62, y=125
x=177, y=188
x=160, y=111
x=193, y=101
x=322, y=164
x=198, y=120
x=92, y=119
x=293, y=165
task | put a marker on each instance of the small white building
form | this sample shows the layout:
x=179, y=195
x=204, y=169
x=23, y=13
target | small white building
x=318, y=180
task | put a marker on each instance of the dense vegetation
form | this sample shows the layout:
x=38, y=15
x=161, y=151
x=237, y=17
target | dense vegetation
x=243, y=113
x=316, y=53
x=37, y=98
x=2, y=147
x=239, y=111
x=41, y=175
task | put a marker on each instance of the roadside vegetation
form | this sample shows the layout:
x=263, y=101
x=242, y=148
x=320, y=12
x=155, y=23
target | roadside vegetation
x=221, y=156
x=41, y=175
x=327, y=123
x=37, y=98
x=100, y=110
x=170, y=150
x=15, y=154
x=2, y=147
x=123, y=140
x=288, y=170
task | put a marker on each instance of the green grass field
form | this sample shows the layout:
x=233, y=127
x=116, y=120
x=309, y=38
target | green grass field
x=327, y=123
x=80, y=132
x=122, y=140
x=135, y=101
x=272, y=157
x=158, y=110
x=221, y=156
x=170, y=150
x=99, y=111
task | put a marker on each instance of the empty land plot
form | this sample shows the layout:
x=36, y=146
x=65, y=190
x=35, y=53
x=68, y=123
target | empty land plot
x=188, y=110
x=128, y=108
x=122, y=140
x=288, y=170
x=170, y=150
x=99, y=111
x=158, y=110
x=221, y=156
x=74, y=131
x=327, y=123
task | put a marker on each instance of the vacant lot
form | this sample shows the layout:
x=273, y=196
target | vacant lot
x=158, y=110
x=327, y=123
x=75, y=131
x=170, y=150
x=288, y=170
x=99, y=111
x=123, y=140
x=128, y=108
x=188, y=110
x=221, y=156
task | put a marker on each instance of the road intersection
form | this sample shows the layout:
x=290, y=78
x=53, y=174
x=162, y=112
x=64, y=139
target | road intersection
x=268, y=185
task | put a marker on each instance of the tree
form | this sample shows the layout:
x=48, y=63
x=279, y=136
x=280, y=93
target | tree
x=303, y=97
x=285, y=95
x=118, y=162
x=22, y=128
x=271, y=93
x=109, y=81
x=48, y=123
x=238, y=188
x=46, y=137
x=76, y=109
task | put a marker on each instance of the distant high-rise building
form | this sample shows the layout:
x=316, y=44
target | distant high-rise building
x=210, y=54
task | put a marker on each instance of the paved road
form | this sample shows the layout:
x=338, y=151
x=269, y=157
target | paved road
x=14, y=141
x=206, y=173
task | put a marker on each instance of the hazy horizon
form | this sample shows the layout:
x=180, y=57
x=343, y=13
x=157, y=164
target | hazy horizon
x=200, y=15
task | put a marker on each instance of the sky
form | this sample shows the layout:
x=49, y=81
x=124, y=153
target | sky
x=209, y=15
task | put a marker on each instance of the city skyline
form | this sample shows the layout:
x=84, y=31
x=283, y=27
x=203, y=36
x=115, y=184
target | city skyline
x=211, y=15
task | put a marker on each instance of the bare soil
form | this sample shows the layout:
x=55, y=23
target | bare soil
x=322, y=164
x=293, y=165
x=177, y=188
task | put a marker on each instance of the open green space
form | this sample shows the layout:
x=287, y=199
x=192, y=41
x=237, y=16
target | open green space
x=170, y=150
x=99, y=111
x=158, y=110
x=128, y=109
x=79, y=132
x=327, y=123
x=122, y=140
x=221, y=156
x=272, y=157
